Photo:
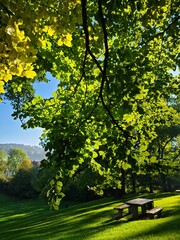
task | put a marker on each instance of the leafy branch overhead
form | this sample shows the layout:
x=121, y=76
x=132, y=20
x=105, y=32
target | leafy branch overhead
x=114, y=61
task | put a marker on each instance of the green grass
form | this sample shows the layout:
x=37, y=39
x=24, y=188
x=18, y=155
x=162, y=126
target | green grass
x=32, y=220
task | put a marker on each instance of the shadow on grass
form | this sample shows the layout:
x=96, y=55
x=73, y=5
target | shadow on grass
x=164, y=230
x=27, y=220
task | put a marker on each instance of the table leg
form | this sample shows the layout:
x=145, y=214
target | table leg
x=119, y=215
x=134, y=211
x=144, y=209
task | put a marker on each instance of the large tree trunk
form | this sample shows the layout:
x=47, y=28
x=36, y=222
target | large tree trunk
x=123, y=180
x=164, y=182
x=169, y=185
x=133, y=180
x=122, y=191
x=150, y=184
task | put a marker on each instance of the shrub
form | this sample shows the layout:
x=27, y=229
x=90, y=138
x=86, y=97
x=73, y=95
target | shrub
x=4, y=183
x=21, y=184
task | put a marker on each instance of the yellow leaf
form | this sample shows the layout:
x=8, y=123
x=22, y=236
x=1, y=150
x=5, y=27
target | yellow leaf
x=91, y=87
x=43, y=42
x=7, y=77
x=68, y=40
x=45, y=29
x=51, y=31
x=60, y=42
x=1, y=87
x=29, y=74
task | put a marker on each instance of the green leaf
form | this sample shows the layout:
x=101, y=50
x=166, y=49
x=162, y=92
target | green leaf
x=95, y=155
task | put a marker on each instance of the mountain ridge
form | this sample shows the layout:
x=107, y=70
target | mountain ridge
x=35, y=153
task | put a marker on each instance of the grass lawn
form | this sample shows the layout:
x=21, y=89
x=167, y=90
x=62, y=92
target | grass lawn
x=32, y=220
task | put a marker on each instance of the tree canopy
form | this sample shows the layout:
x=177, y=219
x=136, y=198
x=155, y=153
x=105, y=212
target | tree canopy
x=3, y=162
x=114, y=61
x=15, y=158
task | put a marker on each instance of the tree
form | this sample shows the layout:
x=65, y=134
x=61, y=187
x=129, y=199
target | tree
x=41, y=179
x=26, y=164
x=169, y=155
x=15, y=159
x=21, y=183
x=3, y=162
x=113, y=60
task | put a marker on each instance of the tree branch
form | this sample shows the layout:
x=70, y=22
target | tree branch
x=177, y=155
x=104, y=71
x=106, y=55
x=6, y=10
x=85, y=28
x=164, y=31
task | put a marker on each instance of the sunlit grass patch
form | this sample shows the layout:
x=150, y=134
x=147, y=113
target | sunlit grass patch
x=32, y=220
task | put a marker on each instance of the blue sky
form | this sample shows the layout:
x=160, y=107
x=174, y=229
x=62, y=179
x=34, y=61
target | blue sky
x=10, y=129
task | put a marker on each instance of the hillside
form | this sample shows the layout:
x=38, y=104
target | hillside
x=35, y=153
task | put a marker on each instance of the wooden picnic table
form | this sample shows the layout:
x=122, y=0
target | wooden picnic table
x=120, y=209
x=144, y=203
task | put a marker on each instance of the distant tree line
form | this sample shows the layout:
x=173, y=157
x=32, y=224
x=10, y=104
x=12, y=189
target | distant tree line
x=35, y=153
x=25, y=179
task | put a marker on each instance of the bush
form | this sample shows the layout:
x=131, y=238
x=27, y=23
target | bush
x=4, y=183
x=40, y=182
x=77, y=188
x=21, y=184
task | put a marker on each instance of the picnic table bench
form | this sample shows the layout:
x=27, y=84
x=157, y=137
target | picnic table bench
x=154, y=211
x=120, y=209
x=143, y=203
x=146, y=205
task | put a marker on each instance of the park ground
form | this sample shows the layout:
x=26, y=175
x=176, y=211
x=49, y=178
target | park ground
x=33, y=220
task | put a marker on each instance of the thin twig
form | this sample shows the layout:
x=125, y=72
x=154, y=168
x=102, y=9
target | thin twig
x=164, y=31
